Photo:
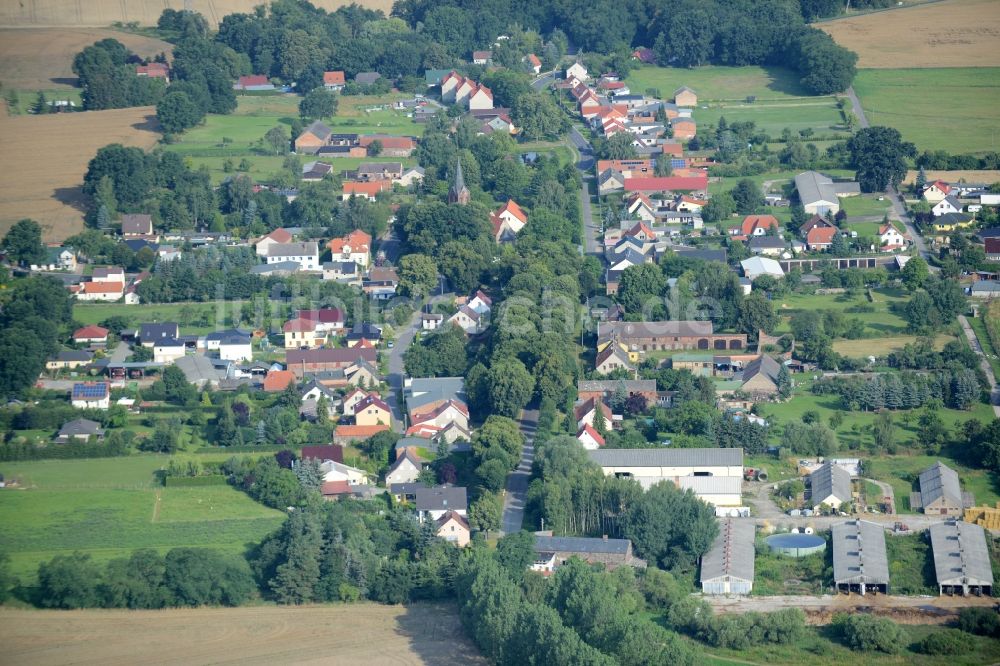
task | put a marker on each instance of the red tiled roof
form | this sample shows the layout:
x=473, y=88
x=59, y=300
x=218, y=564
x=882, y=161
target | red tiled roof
x=334, y=78
x=330, y=488
x=254, y=80
x=515, y=210
x=821, y=235
x=279, y=235
x=393, y=142
x=278, y=380
x=323, y=315
x=754, y=222
x=369, y=188
x=299, y=326
x=321, y=453
x=359, y=432
x=102, y=287
x=589, y=429
x=533, y=59
x=357, y=240
x=90, y=332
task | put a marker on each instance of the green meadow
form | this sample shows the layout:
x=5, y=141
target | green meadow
x=716, y=83
x=951, y=109
x=109, y=507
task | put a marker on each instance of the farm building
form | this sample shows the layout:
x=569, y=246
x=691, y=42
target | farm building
x=859, y=558
x=552, y=552
x=702, y=470
x=819, y=194
x=728, y=568
x=831, y=485
x=940, y=492
x=961, y=560
x=666, y=335
x=760, y=377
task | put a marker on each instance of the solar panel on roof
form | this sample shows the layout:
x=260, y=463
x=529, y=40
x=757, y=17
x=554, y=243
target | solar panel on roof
x=677, y=163
x=89, y=391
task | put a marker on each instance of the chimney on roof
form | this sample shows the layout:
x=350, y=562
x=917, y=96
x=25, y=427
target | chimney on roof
x=605, y=537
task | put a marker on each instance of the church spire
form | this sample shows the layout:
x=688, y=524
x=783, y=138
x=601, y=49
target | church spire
x=458, y=193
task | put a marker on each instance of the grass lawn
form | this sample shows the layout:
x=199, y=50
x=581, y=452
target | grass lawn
x=910, y=101
x=109, y=507
x=881, y=346
x=979, y=326
x=902, y=471
x=878, y=323
x=911, y=564
x=26, y=98
x=820, y=115
x=218, y=314
x=822, y=647
x=236, y=135
x=864, y=205
x=779, y=574
x=719, y=83
x=776, y=179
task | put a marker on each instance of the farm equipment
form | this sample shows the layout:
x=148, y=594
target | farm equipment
x=900, y=528
x=754, y=474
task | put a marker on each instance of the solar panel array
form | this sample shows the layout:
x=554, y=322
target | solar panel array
x=90, y=391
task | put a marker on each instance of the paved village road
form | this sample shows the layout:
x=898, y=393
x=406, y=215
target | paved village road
x=898, y=207
x=983, y=363
x=517, y=481
x=543, y=81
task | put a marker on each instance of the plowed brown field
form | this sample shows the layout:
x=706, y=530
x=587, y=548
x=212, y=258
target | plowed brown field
x=99, y=13
x=952, y=33
x=45, y=158
x=42, y=58
x=365, y=634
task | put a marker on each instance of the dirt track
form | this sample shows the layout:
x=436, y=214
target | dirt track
x=820, y=610
x=364, y=633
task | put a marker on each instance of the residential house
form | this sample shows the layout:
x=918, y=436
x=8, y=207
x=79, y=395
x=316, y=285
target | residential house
x=613, y=358
x=640, y=206
x=95, y=336
x=534, y=63
x=253, y=83
x=378, y=171
x=585, y=411
x=372, y=410
x=167, y=351
x=821, y=238
x=814, y=222
x=482, y=57
x=480, y=98
x=405, y=469
x=381, y=282
x=507, y=222
x=154, y=70
x=302, y=334
x=79, y=430
x=433, y=503
x=760, y=377
x=364, y=331
x=355, y=247
x=338, y=471
x=366, y=190
x=820, y=194
x=830, y=485
x=935, y=192
x=767, y=245
x=683, y=128
x=277, y=237
x=149, y=334
x=69, y=359
x=334, y=80
x=342, y=271
x=949, y=222
x=237, y=348
x=137, y=225
x=453, y=527
x=890, y=239
x=437, y=403
x=97, y=290
x=306, y=254
x=327, y=320
x=57, y=258
x=577, y=71
x=323, y=453
x=754, y=267
x=411, y=176
x=91, y=395
x=278, y=380
x=947, y=205
x=431, y=321
x=940, y=492
x=313, y=137
x=992, y=248
x=684, y=96
x=589, y=438
x=757, y=225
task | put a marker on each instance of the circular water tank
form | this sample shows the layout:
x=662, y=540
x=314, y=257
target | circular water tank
x=795, y=530
x=808, y=530
x=796, y=545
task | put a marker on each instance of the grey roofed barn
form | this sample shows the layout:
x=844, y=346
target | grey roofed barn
x=859, y=555
x=551, y=544
x=667, y=457
x=830, y=479
x=961, y=558
x=732, y=552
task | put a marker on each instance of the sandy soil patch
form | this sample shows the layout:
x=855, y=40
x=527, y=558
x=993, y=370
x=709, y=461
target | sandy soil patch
x=952, y=33
x=955, y=176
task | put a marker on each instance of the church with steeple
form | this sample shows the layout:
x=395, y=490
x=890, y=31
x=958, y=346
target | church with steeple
x=458, y=193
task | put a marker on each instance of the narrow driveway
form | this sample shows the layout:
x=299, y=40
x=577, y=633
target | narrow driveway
x=983, y=363
x=591, y=228
x=517, y=481
x=898, y=207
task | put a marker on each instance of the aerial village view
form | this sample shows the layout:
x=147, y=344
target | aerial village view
x=610, y=333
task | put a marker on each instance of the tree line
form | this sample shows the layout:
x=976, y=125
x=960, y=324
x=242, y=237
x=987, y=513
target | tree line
x=957, y=388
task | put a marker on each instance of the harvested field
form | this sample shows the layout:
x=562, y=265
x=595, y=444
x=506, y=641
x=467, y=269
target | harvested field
x=348, y=634
x=100, y=13
x=956, y=176
x=42, y=59
x=47, y=157
x=952, y=33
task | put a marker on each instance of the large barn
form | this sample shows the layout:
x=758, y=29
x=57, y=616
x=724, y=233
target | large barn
x=961, y=559
x=860, y=563
x=728, y=567
x=715, y=475
x=940, y=492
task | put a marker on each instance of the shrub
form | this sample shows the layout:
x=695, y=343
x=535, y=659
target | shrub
x=979, y=621
x=871, y=634
x=946, y=641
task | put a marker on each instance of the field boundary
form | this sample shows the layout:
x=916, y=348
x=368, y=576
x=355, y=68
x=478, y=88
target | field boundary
x=877, y=10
